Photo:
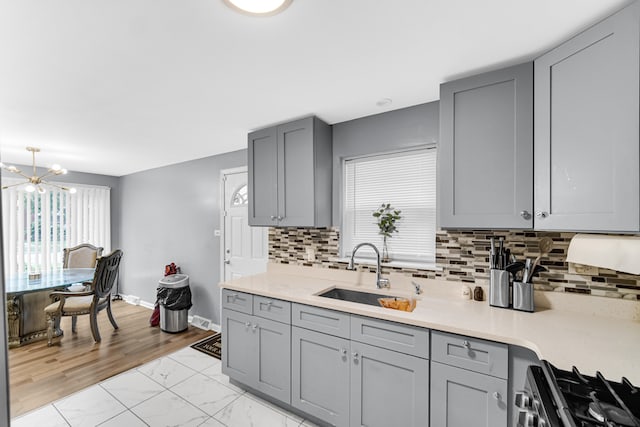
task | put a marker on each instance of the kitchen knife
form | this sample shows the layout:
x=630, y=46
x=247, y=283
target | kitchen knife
x=492, y=253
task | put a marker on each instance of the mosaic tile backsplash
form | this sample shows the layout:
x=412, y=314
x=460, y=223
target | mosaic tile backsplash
x=463, y=256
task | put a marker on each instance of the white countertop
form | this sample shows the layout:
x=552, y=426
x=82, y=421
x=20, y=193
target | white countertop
x=580, y=333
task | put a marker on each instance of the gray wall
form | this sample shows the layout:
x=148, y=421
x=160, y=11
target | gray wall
x=112, y=182
x=168, y=215
x=394, y=130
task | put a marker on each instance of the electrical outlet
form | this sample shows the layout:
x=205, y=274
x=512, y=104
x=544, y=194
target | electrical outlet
x=584, y=270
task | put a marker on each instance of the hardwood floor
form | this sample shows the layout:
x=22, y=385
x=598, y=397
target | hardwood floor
x=39, y=374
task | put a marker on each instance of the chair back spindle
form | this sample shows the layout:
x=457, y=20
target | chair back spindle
x=106, y=274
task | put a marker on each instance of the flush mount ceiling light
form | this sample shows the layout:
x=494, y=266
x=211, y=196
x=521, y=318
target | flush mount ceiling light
x=258, y=7
x=35, y=182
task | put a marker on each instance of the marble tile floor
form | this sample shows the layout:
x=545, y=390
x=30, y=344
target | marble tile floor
x=185, y=388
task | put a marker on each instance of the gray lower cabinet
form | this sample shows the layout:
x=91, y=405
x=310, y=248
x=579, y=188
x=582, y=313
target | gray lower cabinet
x=257, y=353
x=388, y=388
x=485, y=154
x=587, y=108
x=320, y=368
x=462, y=398
x=290, y=174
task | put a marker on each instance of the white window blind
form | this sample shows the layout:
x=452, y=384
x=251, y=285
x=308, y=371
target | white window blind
x=406, y=180
x=37, y=227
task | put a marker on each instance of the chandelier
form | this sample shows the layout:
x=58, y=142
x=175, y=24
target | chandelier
x=35, y=182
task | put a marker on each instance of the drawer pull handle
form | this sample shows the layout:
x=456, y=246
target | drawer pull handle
x=355, y=356
x=255, y=326
x=269, y=304
x=466, y=344
x=233, y=296
x=343, y=351
x=273, y=217
x=247, y=325
x=496, y=395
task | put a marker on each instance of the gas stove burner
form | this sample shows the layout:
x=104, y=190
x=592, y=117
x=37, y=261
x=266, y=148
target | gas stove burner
x=602, y=410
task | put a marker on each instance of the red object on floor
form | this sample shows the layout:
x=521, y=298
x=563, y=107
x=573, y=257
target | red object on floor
x=155, y=316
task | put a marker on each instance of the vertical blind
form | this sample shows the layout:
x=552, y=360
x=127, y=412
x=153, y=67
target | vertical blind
x=407, y=181
x=37, y=227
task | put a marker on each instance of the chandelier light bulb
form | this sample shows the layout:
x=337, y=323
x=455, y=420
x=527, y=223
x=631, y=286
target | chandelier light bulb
x=258, y=7
x=73, y=190
x=41, y=190
x=55, y=167
x=29, y=188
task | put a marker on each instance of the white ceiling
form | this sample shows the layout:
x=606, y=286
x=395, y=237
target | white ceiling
x=119, y=86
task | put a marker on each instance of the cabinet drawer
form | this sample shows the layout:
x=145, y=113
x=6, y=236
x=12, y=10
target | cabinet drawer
x=485, y=357
x=406, y=339
x=271, y=308
x=321, y=320
x=238, y=301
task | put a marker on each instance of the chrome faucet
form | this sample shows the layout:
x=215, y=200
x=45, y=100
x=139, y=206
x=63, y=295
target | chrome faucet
x=380, y=281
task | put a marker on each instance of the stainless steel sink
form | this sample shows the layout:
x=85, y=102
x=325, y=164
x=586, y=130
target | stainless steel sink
x=354, y=296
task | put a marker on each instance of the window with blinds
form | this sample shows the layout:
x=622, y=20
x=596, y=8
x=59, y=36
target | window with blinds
x=407, y=181
x=37, y=227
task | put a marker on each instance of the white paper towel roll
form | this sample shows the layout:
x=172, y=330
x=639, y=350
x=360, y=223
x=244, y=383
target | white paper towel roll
x=620, y=253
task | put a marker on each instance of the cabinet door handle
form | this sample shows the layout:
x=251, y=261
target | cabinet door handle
x=542, y=214
x=525, y=215
x=466, y=344
x=247, y=325
x=496, y=395
x=273, y=217
x=343, y=351
x=280, y=218
x=255, y=326
x=355, y=356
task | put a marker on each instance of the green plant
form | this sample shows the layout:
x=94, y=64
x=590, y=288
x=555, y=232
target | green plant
x=386, y=217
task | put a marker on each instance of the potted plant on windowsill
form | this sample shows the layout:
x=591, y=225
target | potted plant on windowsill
x=386, y=217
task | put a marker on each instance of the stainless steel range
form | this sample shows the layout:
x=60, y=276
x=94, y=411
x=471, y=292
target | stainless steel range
x=558, y=398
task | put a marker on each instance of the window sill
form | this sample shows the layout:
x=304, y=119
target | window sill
x=400, y=264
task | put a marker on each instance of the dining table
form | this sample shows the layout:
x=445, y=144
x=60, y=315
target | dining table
x=28, y=294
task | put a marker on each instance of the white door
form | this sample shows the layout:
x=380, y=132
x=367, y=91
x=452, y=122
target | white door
x=245, y=249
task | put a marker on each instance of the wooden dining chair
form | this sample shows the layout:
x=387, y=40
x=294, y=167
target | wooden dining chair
x=84, y=255
x=89, y=302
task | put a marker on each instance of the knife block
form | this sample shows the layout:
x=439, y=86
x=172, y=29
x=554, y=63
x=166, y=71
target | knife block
x=499, y=291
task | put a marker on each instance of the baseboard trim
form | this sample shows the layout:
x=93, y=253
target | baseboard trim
x=200, y=321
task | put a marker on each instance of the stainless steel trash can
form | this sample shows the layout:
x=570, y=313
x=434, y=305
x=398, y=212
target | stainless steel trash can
x=173, y=314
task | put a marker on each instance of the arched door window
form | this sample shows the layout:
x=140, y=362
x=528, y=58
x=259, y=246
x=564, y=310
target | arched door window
x=240, y=196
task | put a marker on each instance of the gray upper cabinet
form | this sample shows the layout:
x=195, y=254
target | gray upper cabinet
x=586, y=129
x=485, y=155
x=290, y=172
